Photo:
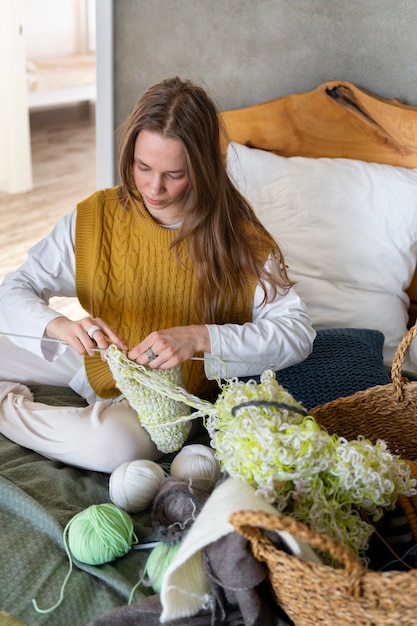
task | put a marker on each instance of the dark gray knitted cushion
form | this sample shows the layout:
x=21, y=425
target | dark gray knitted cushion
x=343, y=361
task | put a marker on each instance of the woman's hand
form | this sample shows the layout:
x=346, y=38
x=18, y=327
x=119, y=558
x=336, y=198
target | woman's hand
x=85, y=334
x=167, y=348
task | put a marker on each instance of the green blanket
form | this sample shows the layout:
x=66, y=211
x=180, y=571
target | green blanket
x=38, y=497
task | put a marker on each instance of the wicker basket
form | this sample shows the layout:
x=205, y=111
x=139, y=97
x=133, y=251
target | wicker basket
x=387, y=412
x=408, y=504
x=312, y=593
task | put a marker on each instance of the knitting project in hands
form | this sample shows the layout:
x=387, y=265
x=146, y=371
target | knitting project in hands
x=162, y=404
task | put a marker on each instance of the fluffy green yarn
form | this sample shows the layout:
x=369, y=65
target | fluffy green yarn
x=262, y=435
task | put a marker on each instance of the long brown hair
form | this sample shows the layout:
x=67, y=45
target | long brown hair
x=225, y=240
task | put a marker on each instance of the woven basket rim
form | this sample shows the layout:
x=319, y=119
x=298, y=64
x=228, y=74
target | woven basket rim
x=397, y=364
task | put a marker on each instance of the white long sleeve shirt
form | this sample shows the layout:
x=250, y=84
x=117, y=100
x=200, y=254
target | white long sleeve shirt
x=279, y=335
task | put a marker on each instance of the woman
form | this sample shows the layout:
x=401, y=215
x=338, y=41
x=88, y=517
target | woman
x=170, y=264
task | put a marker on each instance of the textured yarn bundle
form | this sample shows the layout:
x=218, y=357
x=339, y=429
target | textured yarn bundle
x=263, y=435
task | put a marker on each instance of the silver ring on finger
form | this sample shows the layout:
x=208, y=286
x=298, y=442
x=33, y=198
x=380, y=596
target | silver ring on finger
x=91, y=331
x=150, y=354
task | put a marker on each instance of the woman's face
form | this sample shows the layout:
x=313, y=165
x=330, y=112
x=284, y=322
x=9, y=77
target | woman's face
x=159, y=171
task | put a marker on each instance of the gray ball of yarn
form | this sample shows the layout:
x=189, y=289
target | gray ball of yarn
x=175, y=508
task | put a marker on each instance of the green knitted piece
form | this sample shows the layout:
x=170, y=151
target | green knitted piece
x=162, y=404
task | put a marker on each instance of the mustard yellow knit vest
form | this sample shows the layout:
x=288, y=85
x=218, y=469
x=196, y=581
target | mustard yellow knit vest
x=127, y=274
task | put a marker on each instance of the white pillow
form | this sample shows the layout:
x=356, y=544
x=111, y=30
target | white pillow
x=348, y=230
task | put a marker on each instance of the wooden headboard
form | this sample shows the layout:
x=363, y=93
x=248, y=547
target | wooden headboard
x=334, y=120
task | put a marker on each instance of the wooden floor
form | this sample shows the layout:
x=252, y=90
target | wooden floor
x=64, y=172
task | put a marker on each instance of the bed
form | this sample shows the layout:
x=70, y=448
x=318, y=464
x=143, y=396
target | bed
x=332, y=173
x=61, y=81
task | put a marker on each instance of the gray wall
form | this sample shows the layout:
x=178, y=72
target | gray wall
x=249, y=51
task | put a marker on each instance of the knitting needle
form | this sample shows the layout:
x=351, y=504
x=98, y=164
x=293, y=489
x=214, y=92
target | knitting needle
x=47, y=339
x=145, y=546
x=51, y=339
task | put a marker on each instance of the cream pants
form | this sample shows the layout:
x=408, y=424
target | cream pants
x=98, y=437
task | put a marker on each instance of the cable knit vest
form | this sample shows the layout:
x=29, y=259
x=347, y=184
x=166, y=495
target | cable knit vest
x=127, y=274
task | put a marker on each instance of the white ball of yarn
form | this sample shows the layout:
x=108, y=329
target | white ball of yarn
x=199, y=463
x=134, y=484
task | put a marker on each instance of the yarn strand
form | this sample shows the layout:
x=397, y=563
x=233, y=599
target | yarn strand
x=64, y=584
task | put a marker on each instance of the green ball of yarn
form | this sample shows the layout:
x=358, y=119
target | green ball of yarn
x=157, y=564
x=100, y=534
